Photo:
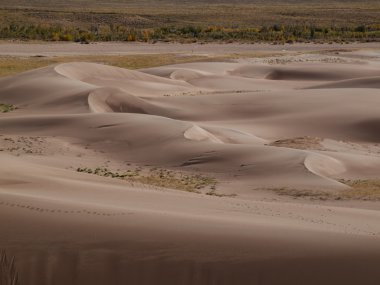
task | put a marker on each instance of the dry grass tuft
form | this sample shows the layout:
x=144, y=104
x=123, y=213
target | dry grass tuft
x=11, y=65
x=360, y=189
x=363, y=189
x=159, y=177
x=5, y=108
x=311, y=194
x=8, y=274
x=305, y=142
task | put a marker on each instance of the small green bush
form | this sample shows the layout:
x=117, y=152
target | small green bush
x=5, y=108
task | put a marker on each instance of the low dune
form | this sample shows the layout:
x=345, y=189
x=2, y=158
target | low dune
x=199, y=173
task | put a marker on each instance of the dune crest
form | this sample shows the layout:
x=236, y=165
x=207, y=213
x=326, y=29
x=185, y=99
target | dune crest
x=109, y=99
x=324, y=166
x=196, y=133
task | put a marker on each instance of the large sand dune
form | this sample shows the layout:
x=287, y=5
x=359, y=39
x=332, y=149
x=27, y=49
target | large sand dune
x=258, y=129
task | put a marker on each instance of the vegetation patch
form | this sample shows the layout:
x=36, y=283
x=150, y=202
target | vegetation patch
x=277, y=34
x=305, y=142
x=174, y=20
x=305, y=193
x=360, y=189
x=364, y=189
x=10, y=65
x=159, y=177
x=5, y=108
x=18, y=145
x=216, y=194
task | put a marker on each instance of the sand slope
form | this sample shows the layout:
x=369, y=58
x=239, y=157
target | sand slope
x=254, y=127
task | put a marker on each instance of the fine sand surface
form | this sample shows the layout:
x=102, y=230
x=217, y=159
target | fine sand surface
x=19, y=48
x=276, y=136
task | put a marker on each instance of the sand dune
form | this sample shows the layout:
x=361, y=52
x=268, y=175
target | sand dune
x=265, y=133
x=364, y=82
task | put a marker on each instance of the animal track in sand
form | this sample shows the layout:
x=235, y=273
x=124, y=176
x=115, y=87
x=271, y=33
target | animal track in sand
x=327, y=219
x=62, y=211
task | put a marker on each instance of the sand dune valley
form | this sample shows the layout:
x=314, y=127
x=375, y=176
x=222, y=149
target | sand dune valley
x=248, y=170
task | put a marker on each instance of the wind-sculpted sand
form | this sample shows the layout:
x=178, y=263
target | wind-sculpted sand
x=202, y=173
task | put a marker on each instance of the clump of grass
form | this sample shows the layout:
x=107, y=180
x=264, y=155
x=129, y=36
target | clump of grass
x=360, y=189
x=8, y=273
x=159, y=177
x=363, y=189
x=5, y=108
x=305, y=142
x=102, y=171
x=216, y=194
x=10, y=65
x=185, y=182
x=304, y=193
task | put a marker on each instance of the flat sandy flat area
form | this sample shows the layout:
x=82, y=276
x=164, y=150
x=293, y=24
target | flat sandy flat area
x=123, y=48
x=247, y=171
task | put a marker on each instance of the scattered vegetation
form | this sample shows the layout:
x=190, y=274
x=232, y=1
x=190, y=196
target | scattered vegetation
x=10, y=65
x=5, y=108
x=18, y=145
x=305, y=142
x=8, y=273
x=365, y=189
x=216, y=194
x=305, y=193
x=149, y=21
x=278, y=34
x=361, y=189
x=160, y=178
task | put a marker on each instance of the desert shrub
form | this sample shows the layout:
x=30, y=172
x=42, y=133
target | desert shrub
x=5, y=108
x=160, y=178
